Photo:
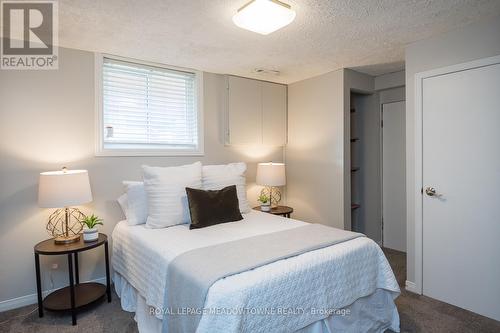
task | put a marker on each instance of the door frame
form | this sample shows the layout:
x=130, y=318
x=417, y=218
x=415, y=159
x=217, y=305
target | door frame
x=416, y=185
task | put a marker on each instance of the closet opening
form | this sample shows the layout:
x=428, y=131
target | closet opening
x=365, y=164
x=377, y=166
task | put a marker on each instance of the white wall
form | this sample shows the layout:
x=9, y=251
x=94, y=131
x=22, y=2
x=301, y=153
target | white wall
x=392, y=95
x=391, y=87
x=315, y=150
x=46, y=122
x=390, y=80
x=472, y=42
x=318, y=150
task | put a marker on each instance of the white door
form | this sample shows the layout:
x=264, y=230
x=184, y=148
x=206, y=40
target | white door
x=394, y=176
x=461, y=161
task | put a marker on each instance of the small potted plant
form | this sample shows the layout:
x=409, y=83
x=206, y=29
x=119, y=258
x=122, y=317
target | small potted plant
x=265, y=203
x=90, y=233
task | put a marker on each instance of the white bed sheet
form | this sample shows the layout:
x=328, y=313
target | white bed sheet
x=329, y=278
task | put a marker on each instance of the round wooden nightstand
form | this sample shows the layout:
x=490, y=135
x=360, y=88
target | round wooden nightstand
x=284, y=211
x=77, y=294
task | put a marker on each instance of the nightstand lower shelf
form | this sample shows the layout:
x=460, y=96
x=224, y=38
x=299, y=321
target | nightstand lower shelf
x=85, y=293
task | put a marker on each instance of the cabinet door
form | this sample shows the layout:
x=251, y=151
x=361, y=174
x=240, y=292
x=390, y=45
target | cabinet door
x=244, y=111
x=274, y=101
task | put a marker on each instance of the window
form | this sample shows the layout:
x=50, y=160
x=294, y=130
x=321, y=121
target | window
x=148, y=109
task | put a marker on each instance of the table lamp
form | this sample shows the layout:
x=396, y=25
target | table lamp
x=271, y=175
x=62, y=189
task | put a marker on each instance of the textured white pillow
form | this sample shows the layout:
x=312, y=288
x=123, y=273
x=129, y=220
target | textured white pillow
x=216, y=177
x=137, y=202
x=166, y=193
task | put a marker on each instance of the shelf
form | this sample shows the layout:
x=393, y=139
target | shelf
x=354, y=139
x=355, y=206
x=85, y=293
x=354, y=169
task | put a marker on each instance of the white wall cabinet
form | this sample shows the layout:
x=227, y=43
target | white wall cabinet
x=274, y=101
x=256, y=112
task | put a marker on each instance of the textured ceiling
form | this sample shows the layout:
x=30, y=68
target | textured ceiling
x=368, y=35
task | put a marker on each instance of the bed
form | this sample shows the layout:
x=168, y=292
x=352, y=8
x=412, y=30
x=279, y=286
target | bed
x=346, y=287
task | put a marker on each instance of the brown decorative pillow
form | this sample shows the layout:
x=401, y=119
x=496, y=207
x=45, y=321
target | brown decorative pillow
x=213, y=207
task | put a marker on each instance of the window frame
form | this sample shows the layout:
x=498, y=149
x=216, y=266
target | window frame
x=99, y=113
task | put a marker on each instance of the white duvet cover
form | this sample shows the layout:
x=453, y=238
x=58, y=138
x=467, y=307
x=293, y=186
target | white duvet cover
x=304, y=288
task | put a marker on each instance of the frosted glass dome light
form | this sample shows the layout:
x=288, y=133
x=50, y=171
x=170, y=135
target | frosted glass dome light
x=264, y=16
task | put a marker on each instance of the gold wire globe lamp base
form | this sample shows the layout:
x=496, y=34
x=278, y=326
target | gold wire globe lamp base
x=273, y=193
x=64, y=225
x=66, y=240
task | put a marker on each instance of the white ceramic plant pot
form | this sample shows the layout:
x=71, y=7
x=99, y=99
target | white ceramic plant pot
x=265, y=207
x=90, y=235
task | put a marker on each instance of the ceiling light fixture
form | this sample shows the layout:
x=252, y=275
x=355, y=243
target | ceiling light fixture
x=264, y=16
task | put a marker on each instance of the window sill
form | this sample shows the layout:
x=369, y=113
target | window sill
x=150, y=153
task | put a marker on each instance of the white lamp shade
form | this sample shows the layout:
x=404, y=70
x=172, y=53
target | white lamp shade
x=271, y=174
x=58, y=189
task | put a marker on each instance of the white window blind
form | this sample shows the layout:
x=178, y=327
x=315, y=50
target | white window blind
x=148, y=108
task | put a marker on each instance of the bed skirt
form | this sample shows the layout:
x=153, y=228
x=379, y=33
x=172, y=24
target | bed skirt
x=374, y=313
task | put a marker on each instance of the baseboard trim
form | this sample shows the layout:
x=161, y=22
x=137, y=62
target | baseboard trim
x=411, y=287
x=19, y=302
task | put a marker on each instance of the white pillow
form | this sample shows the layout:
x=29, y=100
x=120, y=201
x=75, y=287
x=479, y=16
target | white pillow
x=166, y=193
x=123, y=201
x=137, y=202
x=216, y=177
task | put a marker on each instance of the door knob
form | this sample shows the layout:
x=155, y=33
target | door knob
x=430, y=191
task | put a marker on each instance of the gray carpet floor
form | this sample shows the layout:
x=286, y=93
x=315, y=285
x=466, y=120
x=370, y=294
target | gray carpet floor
x=417, y=313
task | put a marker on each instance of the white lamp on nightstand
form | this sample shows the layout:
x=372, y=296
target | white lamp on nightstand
x=271, y=175
x=62, y=189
